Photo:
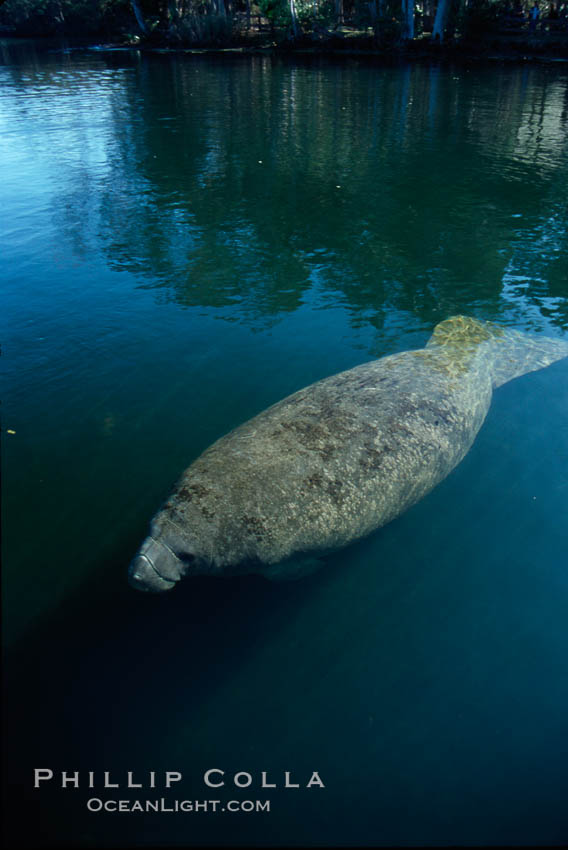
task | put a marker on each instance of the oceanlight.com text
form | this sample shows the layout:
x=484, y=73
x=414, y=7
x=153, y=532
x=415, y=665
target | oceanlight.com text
x=95, y=804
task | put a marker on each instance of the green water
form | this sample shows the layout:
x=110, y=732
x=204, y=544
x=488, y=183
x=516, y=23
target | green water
x=185, y=240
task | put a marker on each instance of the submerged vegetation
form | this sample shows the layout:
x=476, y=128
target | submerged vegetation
x=339, y=24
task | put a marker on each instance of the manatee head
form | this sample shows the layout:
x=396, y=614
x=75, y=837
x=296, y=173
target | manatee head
x=163, y=559
x=201, y=529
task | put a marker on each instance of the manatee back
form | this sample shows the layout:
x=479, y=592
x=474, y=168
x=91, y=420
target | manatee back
x=334, y=461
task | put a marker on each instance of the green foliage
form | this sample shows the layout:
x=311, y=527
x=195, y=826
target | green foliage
x=202, y=29
x=388, y=31
x=386, y=24
x=199, y=22
x=307, y=14
x=182, y=21
x=361, y=15
x=50, y=17
x=326, y=12
x=480, y=16
x=277, y=12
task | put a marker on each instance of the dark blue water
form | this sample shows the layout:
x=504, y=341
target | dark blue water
x=186, y=240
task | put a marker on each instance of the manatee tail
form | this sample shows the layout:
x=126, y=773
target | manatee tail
x=510, y=353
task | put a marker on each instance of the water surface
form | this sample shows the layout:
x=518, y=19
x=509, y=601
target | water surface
x=185, y=241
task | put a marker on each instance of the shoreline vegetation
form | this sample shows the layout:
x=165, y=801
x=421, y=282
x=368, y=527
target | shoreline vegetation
x=478, y=29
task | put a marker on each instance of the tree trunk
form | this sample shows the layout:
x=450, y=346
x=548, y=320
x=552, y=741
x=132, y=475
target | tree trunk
x=294, y=16
x=339, y=11
x=174, y=12
x=59, y=16
x=139, y=17
x=440, y=19
x=408, y=19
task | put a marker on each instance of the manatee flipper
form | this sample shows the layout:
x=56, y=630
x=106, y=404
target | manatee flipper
x=293, y=569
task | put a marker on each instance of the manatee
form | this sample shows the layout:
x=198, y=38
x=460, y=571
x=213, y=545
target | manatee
x=336, y=460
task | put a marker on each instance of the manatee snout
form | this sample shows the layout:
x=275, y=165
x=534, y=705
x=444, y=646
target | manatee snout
x=143, y=576
x=155, y=567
